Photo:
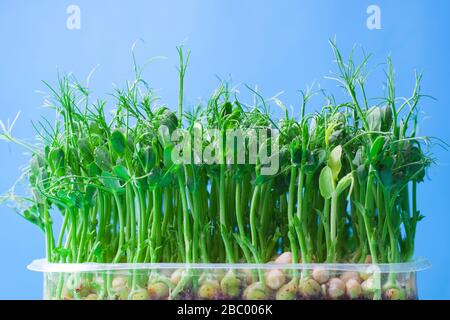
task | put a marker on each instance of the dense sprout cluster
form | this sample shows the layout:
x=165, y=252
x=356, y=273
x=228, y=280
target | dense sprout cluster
x=346, y=189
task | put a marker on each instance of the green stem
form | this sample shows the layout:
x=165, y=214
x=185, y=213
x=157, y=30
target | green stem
x=155, y=235
x=333, y=225
x=121, y=216
x=186, y=221
x=84, y=230
x=48, y=233
x=292, y=228
x=303, y=227
x=223, y=220
x=240, y=220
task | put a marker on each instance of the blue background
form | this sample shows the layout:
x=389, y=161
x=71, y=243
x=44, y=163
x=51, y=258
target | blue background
x=277, y=45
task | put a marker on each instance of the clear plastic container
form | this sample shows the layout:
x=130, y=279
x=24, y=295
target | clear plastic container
x=92, y=281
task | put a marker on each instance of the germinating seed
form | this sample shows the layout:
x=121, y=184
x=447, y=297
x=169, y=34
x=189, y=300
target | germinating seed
x=219, y=274
x=176, y=276
x=119, y=282
x=321, y=275
x=395, y=294
x=158, y=290
x=275, y=279
x=83, y=289
x=255, y=291
x=336, y=288
x=231, y=285
x=247, y=276
x=353, y=289
x=288, y=291
x=349, y=275
x=139, y=294
x=210, y=289
x=122, y=293
x=368, y=288
x=310, y=288
x=284, y=258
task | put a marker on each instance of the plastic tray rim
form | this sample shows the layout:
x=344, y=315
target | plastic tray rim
x=41, y=265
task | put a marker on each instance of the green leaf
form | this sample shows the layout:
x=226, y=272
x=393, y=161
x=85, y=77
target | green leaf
x=76, y=199
x=110, y=181
x=121, y=172
x=361, y=172
x=44, y=178
x=94, y=127
x=93, y=170
x=131, y=144
x=344, y=183
x=56, y=157
x=305, y=135
x=328, y=132
x=168, y=119
x=387, y=162
x=147, y=158
x=166, y=180
x=74, y=161
x=63, y=196
x=35, y=165
x=154, y=177
x=32, y=215
x=374, y=119
x=168, y=155
x=386, y=116
x=418, y=217
x=334, y=161
x=89, y=194
x=85, y=150
x=358, y=159
x=326, y=183
x=62, y=252
x=226, y=108
x=386, y=177
x=335, y=136
x=296, y=152
x=102, y=158
x=118, y=142
x=376, y=148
